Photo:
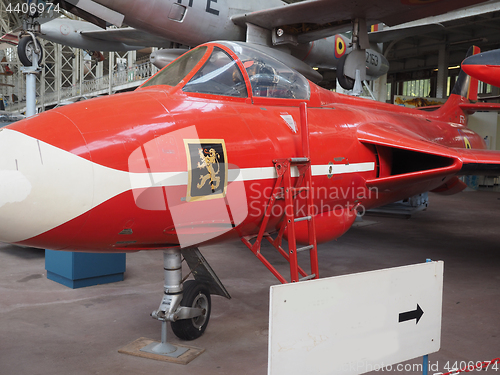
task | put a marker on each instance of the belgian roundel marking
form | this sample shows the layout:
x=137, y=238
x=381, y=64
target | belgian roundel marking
x=207, y=169
x=340, y=46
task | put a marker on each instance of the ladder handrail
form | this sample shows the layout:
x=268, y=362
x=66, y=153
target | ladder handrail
x=283, y=169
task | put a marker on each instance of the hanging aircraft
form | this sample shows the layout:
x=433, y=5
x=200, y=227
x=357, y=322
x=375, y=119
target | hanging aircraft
x=309, y=32
x=79, y=34
x=484, y=67
x=224, y=143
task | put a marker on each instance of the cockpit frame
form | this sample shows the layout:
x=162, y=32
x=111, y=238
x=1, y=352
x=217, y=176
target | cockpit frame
x=233, y=71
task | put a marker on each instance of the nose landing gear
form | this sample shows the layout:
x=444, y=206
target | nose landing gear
x=185, y=305
x=28, y=46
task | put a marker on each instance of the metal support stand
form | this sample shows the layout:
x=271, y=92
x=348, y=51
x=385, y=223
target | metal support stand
x=172, y=265
x=163, y=347
x=367, y=87
x=425, y=359
x=425, y=365
x=31, y=73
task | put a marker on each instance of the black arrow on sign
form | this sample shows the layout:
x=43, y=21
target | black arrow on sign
x=409, y=315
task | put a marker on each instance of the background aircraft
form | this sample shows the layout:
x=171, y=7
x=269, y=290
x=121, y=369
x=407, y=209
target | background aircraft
x=484, y=66
x=224, y=143
x=85, y=35
x=80, y=34
x=307, y=31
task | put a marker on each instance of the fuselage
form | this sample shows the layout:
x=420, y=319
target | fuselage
x=190, y=22
x=68, y=32
x=194, y=22
x=118, y=173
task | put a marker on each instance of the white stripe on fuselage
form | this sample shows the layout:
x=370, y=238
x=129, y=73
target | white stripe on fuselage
x=251, y=174
x=58, y=186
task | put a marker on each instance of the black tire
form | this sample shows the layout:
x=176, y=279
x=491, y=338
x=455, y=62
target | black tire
x=25, y=51
x=195, y=294
x=346, y=82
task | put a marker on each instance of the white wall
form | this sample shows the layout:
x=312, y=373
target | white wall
x=486, y=124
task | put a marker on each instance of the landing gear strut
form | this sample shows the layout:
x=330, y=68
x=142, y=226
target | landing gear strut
x=171, y=309
x=30, y=53
x=186, y=306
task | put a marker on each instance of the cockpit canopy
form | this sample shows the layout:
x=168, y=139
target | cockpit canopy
x=211, y=69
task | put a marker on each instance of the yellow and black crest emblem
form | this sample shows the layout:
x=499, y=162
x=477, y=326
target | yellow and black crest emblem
x=207, y=169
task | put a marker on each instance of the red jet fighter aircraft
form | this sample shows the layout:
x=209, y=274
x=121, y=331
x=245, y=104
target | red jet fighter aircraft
x=224, y=143
x=484, y=66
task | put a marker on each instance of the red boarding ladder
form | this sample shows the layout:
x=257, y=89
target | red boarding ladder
x=284, y=189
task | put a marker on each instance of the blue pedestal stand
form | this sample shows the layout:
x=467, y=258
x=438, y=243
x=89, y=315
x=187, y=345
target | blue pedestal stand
x=78, y=270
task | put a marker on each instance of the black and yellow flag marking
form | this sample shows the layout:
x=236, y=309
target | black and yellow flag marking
x=207, y=169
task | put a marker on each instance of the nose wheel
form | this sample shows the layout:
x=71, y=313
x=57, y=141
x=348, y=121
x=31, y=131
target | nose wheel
x=26, y=47
x=197, y=297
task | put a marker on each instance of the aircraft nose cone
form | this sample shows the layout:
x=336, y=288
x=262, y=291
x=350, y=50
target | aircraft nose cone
x=484, y=67
x=41, y=184
x=491, y=58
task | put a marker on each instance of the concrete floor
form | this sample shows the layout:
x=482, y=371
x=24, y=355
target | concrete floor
x=46, y=328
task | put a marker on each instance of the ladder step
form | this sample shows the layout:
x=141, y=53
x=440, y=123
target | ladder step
x=300, y=188
x=299, y=160
x=308, y=277
x=302, y=218
x=304, y=248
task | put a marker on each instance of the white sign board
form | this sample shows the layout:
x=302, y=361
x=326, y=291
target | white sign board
x=355, y=323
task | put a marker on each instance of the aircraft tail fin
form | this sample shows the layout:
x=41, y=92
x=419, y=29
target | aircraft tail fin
x=466, y=86
x=463, y=97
